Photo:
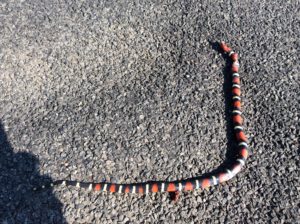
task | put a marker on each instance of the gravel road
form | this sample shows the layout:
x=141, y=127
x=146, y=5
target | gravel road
x=135, y=91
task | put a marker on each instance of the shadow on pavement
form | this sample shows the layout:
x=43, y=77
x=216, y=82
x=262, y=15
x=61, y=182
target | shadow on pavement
x=18, y=202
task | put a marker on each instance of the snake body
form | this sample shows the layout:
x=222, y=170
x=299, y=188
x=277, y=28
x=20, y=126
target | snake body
x=200, y=182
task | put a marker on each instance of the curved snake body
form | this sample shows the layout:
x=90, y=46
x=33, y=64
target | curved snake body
x=192, y=183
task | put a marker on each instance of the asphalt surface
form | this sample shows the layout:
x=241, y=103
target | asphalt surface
x=136, y=91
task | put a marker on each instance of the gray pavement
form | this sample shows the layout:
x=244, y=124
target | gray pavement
x=134, y=91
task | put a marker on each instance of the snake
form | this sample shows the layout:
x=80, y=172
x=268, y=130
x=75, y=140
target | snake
x=193, y=183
